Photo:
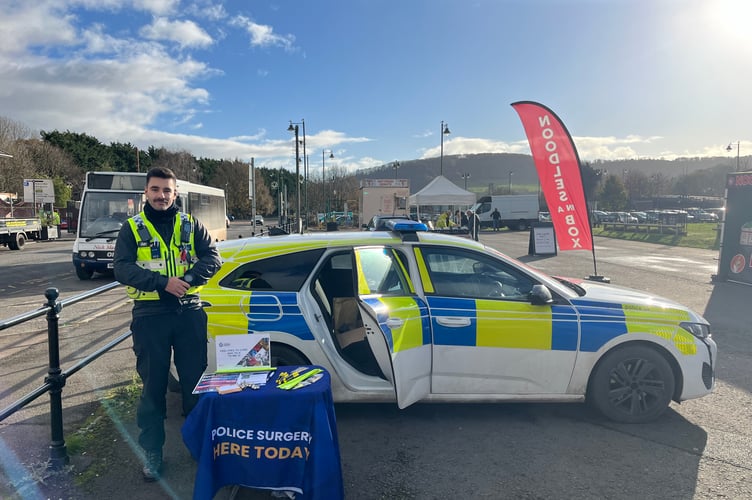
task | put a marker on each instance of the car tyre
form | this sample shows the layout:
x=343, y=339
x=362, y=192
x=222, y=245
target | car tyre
x=633, y=384
x=287, y=356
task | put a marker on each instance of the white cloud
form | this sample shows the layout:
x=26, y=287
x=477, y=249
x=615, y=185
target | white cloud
x=29, y=25
x=468, y=145
x=184, y=33
x=263, y=35
x=206, y=9
x=158, y=7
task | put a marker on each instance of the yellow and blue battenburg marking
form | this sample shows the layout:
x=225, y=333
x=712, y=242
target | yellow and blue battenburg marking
x=493, y=323
x=278, y=311
x=520, y=325
x=415, y=330
x=600, y=322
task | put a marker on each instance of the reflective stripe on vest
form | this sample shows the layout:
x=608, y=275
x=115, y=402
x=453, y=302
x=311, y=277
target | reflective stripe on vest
x=153, y=254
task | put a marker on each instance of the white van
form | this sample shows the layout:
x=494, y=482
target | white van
x=518, y=211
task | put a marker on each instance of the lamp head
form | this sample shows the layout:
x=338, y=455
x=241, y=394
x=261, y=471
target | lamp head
x=729, y=148
x=291, y=128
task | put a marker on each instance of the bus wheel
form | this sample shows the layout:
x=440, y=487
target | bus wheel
x=83, y=273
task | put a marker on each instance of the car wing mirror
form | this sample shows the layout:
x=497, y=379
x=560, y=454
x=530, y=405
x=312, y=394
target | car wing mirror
x=540, y=295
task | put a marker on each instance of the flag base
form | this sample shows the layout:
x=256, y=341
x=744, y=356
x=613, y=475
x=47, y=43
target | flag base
x=598, y=277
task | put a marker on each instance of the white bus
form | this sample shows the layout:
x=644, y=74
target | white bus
x=110, y=198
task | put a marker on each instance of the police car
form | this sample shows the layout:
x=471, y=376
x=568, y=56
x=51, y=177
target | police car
x=409, y=315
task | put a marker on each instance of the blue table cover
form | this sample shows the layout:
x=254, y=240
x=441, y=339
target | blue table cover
x=268, y=438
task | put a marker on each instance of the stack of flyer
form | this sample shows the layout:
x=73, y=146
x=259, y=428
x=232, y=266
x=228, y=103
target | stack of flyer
x=242, y=361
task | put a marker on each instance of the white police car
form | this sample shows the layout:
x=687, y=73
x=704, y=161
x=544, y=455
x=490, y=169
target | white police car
x=414, y=316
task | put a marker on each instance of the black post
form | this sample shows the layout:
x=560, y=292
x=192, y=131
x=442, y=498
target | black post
x=58, y=451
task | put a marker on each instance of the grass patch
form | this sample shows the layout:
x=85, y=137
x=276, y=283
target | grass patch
x=103, y=425
x=705, y=235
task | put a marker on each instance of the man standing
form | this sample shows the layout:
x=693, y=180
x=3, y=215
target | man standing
x=164, y=256
x=496, y=215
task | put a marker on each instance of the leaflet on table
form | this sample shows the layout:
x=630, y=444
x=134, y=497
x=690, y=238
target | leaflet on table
x=238, y=353
x=230, y=382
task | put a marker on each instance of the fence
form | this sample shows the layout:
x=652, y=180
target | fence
x=55, y=379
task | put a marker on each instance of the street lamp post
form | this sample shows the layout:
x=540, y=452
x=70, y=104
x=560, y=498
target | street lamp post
x=444, y=131
x=510, y=181
x=465, y=176
x=305, y=167
x=395, y=166
x=729, y=149
x=323, y=179
x=294, y=128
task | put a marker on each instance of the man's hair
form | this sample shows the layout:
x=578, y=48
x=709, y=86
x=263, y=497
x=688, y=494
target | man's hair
x=162, y=173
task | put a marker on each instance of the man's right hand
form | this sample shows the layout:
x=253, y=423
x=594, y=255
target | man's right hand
x=176, y=286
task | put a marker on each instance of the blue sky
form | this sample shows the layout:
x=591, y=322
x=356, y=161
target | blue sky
x=373, y=80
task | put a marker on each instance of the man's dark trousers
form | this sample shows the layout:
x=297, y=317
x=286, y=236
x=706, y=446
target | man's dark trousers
x=154, y=339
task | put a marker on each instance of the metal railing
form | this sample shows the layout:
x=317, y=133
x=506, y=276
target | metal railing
x=56, y=377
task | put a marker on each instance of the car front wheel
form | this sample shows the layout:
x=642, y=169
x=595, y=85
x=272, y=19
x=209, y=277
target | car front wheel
x=633, y=384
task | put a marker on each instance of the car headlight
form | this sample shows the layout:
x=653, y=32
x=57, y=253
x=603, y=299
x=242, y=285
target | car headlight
x=699, y=330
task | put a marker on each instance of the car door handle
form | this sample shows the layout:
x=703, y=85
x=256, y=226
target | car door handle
x=453, y=321
x=393, y=323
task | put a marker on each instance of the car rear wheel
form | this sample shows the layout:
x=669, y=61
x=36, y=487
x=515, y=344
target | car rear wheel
x=287, y=356
x=633, y=384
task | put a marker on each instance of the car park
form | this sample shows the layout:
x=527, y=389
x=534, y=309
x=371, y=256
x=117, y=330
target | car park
x=413, y=316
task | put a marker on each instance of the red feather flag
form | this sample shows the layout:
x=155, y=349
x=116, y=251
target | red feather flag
x=558, y=167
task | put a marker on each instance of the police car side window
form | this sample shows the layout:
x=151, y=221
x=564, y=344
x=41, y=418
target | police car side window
x=459, y=273
x=381, y=272
x=283, y=273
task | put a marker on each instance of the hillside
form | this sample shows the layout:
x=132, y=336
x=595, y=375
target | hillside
x=485, y=169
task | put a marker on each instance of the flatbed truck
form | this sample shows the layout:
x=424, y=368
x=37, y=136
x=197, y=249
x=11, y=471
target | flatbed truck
x=15, y=232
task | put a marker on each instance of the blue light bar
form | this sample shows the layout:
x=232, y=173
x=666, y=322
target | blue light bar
x=405, y=225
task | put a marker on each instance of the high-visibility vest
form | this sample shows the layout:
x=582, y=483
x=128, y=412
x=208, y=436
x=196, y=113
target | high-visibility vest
x=154, y=254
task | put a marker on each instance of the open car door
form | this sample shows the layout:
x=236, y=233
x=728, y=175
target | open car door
x=396, y=322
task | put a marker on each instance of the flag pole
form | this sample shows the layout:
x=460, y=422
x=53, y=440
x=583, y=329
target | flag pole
x=595, y=276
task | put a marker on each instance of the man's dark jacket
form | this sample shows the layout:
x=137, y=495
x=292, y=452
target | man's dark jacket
x=129, y=273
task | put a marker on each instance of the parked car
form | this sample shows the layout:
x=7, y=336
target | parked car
x=599, y=217
x=700, y=215
x=411, y=316
x=378, y=222
x=259, y=220
x=641, y=217
x=625, y=218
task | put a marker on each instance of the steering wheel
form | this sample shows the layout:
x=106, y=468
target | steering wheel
x=496, y=289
